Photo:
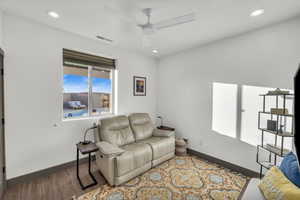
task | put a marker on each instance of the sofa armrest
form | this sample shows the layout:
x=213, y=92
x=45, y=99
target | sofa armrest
x=163, y=133
x=109, y=150
x=252, y=191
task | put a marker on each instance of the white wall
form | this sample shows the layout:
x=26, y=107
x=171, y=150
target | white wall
x=1, y=29
x=267, y=57
x=33, y=93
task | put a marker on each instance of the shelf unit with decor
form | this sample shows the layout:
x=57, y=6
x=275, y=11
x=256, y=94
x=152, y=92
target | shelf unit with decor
x=274, y=150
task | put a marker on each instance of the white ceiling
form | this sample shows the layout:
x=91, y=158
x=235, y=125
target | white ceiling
x=117, y=19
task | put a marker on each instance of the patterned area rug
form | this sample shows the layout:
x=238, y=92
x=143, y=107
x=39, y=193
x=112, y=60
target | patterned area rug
x=181, y=178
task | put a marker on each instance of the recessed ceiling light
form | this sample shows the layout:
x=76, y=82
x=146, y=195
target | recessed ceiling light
x=53, y=14
x=258, y=12
x=154, y=51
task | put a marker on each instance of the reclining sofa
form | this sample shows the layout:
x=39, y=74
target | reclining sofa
x=129, y=146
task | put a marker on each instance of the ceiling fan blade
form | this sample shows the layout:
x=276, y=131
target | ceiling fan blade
x=175, y=21
x=141, y=25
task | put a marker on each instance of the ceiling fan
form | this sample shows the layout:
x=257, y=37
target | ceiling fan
x=149, y=28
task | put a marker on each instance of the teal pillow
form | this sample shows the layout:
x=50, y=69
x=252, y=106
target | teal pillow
x=289, y=167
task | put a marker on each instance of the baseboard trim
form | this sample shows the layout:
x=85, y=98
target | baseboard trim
x=226, y=164
x=50, y=170
x=45, y=172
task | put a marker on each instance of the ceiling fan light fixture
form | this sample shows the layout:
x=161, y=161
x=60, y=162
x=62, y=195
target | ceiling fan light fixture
x=257, y=12
x=53, y=14
x=154, y=51
x=148, y=30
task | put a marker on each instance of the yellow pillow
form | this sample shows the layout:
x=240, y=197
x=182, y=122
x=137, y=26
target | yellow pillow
x=276, y=186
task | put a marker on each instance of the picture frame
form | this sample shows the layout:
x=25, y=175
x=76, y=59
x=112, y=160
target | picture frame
x=139, y=86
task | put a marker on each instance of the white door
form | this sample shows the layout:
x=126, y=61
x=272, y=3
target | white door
x=2, y=175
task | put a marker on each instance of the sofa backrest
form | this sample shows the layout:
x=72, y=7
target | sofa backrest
x=116, y=130
x=141, y=125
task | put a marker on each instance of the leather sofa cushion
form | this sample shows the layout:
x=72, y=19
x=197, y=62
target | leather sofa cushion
x=141, y=125
x=116, y=130
x=135, y=156
x=108, y=149
x=160, y=145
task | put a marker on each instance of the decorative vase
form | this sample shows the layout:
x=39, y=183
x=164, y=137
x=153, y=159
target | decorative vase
x=181, y=146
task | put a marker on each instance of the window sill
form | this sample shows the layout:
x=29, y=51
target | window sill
x=89, y=118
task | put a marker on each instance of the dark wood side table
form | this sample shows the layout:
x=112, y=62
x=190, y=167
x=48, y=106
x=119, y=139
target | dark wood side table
x=167, y=128
x=86, y=149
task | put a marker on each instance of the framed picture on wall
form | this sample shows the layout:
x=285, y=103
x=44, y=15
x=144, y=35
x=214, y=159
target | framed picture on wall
x=139, y=86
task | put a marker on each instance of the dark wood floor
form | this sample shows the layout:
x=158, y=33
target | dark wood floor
x=62, y=184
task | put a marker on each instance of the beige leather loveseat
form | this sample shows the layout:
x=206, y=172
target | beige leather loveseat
x=129, y=146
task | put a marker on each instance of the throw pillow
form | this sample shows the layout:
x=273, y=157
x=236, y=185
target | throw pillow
x=276, y=186
x=289, y=166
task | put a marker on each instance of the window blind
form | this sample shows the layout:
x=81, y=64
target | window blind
x=75, y=58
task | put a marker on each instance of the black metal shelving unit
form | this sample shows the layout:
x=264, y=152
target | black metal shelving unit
x=273, y=149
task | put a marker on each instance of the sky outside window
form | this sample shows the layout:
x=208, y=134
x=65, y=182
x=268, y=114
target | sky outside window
x=77, y=84
x=101, y=85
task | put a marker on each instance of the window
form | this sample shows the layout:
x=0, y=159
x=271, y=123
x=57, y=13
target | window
x=251, y=104
x=101, y=91
x=224, y=109
x=87, y=85
x=76, y=92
